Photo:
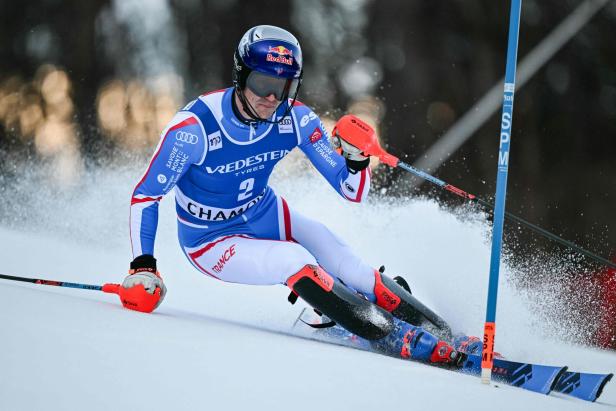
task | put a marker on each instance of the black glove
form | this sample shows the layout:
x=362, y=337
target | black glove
x=145, y=262
x=355, y=166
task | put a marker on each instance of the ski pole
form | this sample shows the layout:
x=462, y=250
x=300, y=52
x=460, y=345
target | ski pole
x=508, y=215
x=107, y=288
x=373, y=148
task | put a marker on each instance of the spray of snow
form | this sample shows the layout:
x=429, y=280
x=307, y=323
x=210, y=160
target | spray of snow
x=443, y=255
x=209, y=338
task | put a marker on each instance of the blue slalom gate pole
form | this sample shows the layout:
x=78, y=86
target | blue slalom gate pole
x=501, y=191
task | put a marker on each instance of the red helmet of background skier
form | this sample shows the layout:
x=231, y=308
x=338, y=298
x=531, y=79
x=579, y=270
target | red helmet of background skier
x=268, y=60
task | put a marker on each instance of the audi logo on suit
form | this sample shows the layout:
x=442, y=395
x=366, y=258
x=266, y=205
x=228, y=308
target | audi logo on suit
x=185, y=137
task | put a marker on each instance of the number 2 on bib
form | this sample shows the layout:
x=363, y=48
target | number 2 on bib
x=246, y=189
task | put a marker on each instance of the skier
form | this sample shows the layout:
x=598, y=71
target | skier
x=218, y=153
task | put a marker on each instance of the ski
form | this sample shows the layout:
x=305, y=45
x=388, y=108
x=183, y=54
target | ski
x=585, y=386
x=533, y=377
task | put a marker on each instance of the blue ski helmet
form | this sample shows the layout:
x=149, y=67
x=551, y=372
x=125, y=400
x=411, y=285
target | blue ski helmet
x=268, y=60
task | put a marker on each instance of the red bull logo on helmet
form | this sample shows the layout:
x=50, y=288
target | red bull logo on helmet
x=284, y=55
x=281, y=51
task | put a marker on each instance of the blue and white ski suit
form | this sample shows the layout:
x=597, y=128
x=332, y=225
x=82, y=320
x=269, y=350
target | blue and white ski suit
x=231, y=224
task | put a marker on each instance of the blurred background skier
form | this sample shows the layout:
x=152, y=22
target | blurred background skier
x=218, y=153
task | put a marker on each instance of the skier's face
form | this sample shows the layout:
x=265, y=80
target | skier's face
x=264, y=106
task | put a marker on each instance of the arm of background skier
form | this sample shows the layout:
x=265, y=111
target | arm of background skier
x=314, y=142
x=182, y=144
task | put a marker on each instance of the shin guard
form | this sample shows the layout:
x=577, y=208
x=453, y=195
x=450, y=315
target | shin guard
x=342, y=305
x=396, y=300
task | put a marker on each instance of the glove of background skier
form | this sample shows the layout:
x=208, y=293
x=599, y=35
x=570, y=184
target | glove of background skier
x=143, y=289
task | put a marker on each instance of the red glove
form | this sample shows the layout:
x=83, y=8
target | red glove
x=143, y=289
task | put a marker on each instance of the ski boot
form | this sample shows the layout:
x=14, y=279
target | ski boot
x=414, y=343
x=383, y=331
x=470, y=345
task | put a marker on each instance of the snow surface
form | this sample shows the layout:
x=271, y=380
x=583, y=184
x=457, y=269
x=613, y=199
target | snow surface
x=213, y=345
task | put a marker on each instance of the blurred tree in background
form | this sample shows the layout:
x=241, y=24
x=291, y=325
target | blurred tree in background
x=83, y=81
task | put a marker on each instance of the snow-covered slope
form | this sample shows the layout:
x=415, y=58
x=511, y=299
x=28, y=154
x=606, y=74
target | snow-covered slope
x=213, y=345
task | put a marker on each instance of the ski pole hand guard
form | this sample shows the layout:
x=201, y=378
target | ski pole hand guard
x=138, y=299
x=143, y=289
x=361, y=137
x=355, y=159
